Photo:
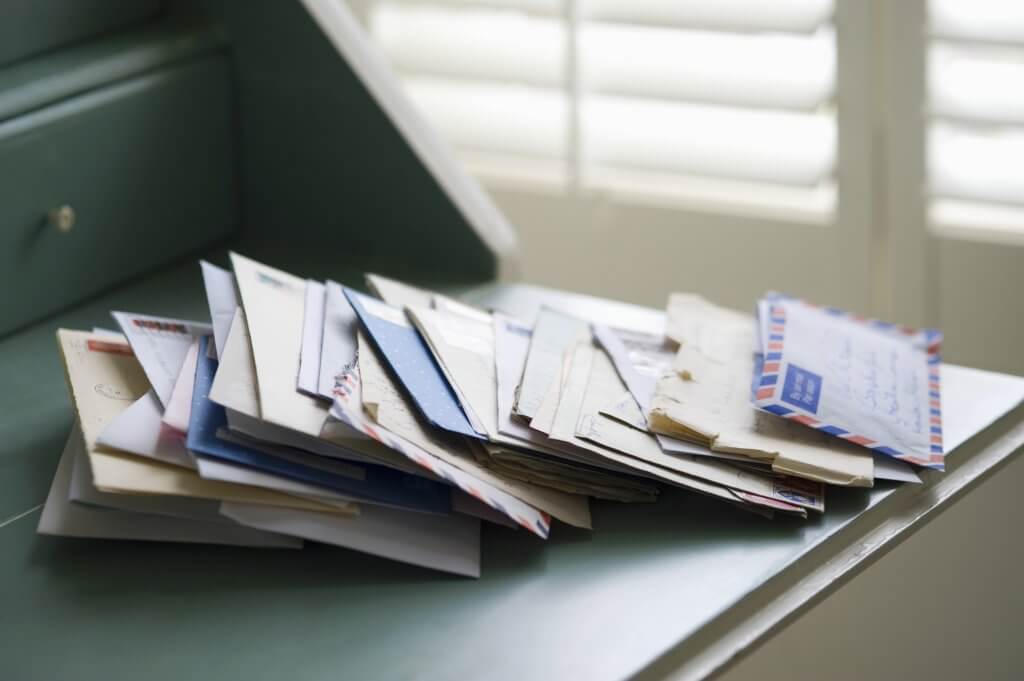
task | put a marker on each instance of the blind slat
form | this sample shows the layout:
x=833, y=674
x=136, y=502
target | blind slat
x=542, y=7
x=976, y=84
x=485, y=44
x=731, y=15
x=494, y=118
x=728, y=94
x=783, y=148
x=976, y=165
x=998, y=21
x=763, y=70
x=975, y=142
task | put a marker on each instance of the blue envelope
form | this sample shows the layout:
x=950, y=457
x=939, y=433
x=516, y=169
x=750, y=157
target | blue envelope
x=408, y=356
x=375, y=484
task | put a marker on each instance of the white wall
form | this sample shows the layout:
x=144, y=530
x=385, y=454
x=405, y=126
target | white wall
x=945, y=605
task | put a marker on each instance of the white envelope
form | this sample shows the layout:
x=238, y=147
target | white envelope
x=553, y=334
x=973, y=399
x=312, y=338
x=222, y=297
x=83, y=491
x=448, y=543
x=178, y=410
x=62, y=518
x=398, y=294
x=369, y=451
x=273, y=302
x=139, y=430
x=160, y=344
x=511, y=343
x=234, y=388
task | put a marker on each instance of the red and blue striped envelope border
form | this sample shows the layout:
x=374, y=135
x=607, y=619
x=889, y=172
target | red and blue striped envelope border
x=536, y=521
x=766, y=386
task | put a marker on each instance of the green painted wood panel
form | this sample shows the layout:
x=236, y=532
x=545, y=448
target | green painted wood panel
x=147, y=166
x=50, y=78
x=322, y=166
x=30, y=27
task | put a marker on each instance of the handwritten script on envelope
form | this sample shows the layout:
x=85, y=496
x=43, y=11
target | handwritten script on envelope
x=869, y=382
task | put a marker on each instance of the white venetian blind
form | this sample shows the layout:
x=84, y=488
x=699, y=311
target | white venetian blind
x=975, y=109
x=719, y=99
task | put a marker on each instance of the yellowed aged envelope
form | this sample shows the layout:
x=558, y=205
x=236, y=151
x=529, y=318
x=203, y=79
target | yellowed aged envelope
x=604, y=383
x=104, y=378
x=707, y=401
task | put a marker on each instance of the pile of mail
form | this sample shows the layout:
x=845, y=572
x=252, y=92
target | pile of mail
x=395, y=423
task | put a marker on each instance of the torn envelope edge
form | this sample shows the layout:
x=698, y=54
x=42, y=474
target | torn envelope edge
x=763, y=486
x=603, y=381
x=537, y=522
x=767, y=382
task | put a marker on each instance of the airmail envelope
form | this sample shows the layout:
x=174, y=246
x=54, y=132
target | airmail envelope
x=869, y=382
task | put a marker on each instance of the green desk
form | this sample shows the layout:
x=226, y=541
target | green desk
x=676, y=589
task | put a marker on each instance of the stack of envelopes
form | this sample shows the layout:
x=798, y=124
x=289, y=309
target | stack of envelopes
x=396, y=423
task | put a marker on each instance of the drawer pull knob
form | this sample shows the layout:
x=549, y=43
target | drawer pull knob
x=62, y=218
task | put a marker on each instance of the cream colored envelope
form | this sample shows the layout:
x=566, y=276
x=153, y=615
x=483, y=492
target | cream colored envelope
x=570, y=407
x=62, y=517
x=104, y=378
x=464, y=347
x=604, y=383
x=234, y=387
x=274, y=304
x=707, y=401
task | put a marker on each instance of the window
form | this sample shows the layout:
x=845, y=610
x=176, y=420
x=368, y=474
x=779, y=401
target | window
x=731, y=102
x=975, y=119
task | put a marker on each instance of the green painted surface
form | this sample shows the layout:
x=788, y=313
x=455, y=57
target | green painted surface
x=322, y=167
x=31, y=27
x=146, y=164
x=36, y=83
x=585, y=605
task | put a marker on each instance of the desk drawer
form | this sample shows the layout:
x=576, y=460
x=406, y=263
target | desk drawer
x=144, y=164
x=30, y=27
